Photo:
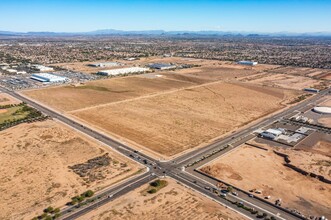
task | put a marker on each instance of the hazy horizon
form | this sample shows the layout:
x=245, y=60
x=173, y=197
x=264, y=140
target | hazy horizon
x=293, y=16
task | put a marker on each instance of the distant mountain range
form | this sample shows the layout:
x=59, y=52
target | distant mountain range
x=114, y=32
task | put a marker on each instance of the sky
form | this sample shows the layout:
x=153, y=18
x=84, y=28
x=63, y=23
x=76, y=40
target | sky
x=297, y=16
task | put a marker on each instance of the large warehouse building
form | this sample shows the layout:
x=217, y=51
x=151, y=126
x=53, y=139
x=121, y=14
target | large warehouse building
x=115, y=72
x=247, y=63
x=47, y=77
x=162, y=66
x=105, y=64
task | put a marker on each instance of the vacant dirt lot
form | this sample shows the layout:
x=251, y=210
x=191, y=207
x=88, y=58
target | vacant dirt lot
x=283, y=81
x=299, y=71
x=172, y=202
x=323, y=147
x=35, y=173
x=6, y=99
x=172, y=123
x=68, y=98
x=309, y=161
x=263, y=170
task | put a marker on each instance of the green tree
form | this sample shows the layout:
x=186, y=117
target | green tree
x=88, y=193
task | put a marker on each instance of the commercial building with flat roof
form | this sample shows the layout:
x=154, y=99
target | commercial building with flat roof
x=162, y=66
x=105, y=64
x=115, y=72
x=271, y=133
x=47, y=77
x=247, y=63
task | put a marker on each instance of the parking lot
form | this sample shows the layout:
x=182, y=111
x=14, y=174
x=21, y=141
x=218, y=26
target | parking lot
x=20, y=82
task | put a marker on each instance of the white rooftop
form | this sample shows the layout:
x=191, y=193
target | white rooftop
x=274, y=131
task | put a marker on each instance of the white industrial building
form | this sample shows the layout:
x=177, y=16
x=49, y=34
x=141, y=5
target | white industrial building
x=130, y=58
x=271, y=133
x=115, y=72
x=42, y=68
x=247, y=63
x=47, y=77
x=105, y=64
x=162, y=66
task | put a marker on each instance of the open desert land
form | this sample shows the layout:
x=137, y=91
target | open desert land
x=269, y=175
x=46, y=163
x=311, y=162
x=69, y=98
x=171, y=123
x=284, y=81
x=299, y=71
x=171, y=202
x=6, y=99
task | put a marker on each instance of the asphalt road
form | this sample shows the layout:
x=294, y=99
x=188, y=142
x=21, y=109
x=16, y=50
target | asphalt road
x=108, y=196
x=172, y=168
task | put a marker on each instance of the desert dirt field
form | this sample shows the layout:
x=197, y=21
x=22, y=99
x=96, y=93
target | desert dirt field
x=283, y=81
x=268, y=174
x=325, y=122
x=312, y=161
x=300, y=71
x=169, y=112
x=186, y=118
x=46, y=163
x=6, y=99
x=68, y=98
x=172, y=202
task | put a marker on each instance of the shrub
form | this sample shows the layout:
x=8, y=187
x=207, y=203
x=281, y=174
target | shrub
x=81, y=198
x=151, y=191
x=88, y=193
x=48, y=217
x=156, y=183
x=49, y=209
x=57, y=215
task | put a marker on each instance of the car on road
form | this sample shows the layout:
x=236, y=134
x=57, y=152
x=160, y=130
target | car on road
x=251, y=195
x=223, y=195
x=235, y=193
